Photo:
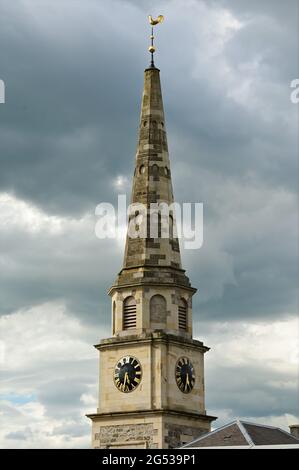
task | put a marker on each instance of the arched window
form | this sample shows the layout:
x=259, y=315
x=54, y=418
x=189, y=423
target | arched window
x=155, y=170
x=158, y=309
x=182, y=315
x=113, y=317
x=129, y=313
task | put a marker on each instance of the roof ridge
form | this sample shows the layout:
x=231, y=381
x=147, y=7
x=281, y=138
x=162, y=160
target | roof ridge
x=244, y=432
x=210, y=433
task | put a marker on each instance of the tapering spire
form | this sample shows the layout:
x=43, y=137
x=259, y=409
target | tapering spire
x=154, y=260
x=151, y=352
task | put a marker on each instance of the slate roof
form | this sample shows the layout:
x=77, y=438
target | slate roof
x=243, y=433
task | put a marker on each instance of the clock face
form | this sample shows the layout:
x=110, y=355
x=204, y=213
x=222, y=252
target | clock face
x=127, y=374
x=184, y=375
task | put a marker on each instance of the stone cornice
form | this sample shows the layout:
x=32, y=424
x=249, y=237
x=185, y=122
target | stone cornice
x=156, y=337
x=161, y=412
x=145, y=283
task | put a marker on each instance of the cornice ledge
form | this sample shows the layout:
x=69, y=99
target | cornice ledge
x=155, y=337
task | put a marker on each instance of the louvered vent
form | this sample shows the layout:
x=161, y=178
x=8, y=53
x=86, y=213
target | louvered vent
x=182, y=315
x=129, y=314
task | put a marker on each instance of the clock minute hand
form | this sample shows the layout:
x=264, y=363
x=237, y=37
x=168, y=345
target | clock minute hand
x=125, y=382
x=126, y=378
x=187, y=380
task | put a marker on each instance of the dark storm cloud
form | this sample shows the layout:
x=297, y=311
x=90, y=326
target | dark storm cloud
x=73, y=72
x=251, y=269
x=69, y=106
x=74, y=80
x=252, y=391
x=67, y=266
x=61, y=396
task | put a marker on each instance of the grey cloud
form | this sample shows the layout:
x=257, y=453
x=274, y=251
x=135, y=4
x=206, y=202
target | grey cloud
x=72, y=430
x=69, y=127
x=283, y=12
x=58, y=144
x=249, y=391
x=61, y=395
x=20, y=435
x=68, y=267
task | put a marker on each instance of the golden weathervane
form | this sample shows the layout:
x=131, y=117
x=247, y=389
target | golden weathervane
x=153, y=23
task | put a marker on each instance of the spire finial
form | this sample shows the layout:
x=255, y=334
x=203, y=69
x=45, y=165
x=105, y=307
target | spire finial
x=152, y=48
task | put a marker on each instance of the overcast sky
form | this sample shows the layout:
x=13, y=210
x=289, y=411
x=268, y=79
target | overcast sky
x=73, y=71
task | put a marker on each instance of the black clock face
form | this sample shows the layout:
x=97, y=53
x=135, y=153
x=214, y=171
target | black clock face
x=185, y=375
x=127, y=374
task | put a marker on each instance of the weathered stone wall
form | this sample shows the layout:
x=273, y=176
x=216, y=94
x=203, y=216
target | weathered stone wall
x=125, y=434
x=148, y=318
x=177, y=435
x=158, y=354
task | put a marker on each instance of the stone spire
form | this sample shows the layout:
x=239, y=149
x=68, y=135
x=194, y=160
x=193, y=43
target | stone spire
x=151, y=353
x=152, y=259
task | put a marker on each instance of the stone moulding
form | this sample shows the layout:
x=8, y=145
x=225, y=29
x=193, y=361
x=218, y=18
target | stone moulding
x=156, y=337
x=160, y=412
x=146, y=283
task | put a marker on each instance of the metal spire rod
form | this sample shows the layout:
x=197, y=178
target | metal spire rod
x=152, y=48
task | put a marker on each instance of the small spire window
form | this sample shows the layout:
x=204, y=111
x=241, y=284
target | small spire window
x=182, y=315
x=129, y=313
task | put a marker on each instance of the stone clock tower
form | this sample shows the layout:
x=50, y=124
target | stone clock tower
x=152, y=392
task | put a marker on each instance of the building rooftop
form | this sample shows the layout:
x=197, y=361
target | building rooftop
x=244, y=434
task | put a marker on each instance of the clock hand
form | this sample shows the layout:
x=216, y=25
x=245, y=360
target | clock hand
x=126, y=379
x=187, y=380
